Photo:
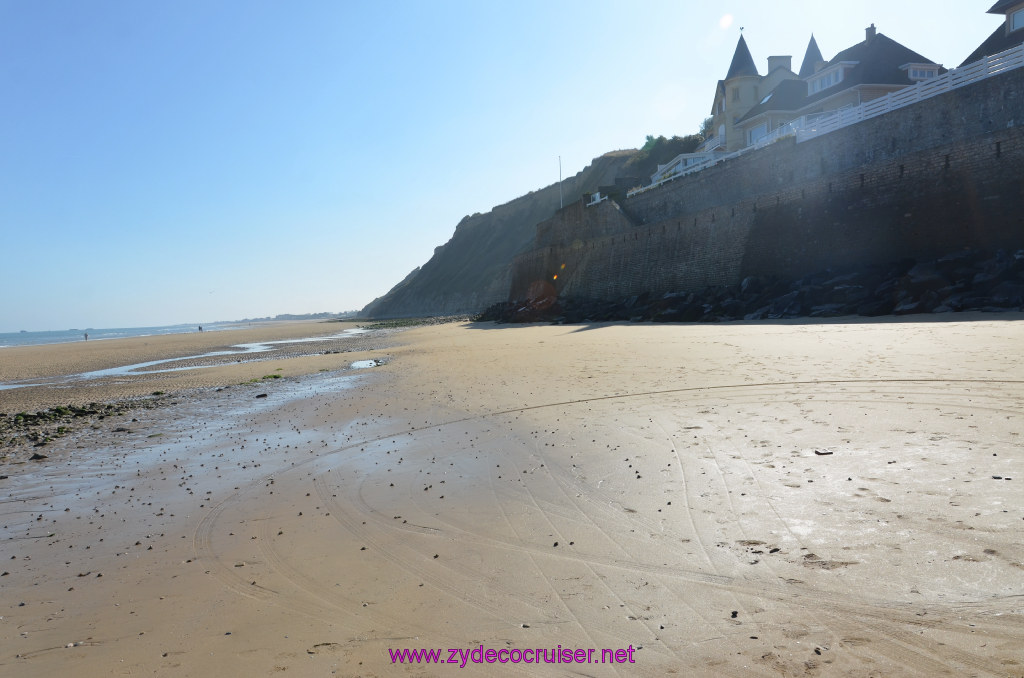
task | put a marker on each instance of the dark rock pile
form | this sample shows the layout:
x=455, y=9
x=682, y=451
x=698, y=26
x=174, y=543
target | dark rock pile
x=39, y=428
x=402, y=323
x=963, y=281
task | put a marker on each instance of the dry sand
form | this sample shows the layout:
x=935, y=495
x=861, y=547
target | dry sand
x=834, y=499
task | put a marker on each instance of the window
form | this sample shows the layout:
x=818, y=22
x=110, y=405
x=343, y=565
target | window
x=735, y=94
x=1017, y=20
x=919, y=72
x=755, y=134
x=826, y=81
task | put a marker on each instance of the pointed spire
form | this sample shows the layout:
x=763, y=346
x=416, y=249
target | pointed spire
x=742, y=62
x=811, y=59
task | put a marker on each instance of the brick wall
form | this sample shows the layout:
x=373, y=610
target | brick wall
x=576, y=220
x=942, y=175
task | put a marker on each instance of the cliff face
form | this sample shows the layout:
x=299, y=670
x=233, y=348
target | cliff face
x=473, y=269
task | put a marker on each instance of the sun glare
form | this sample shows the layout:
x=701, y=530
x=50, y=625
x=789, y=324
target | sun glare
x=725, y=21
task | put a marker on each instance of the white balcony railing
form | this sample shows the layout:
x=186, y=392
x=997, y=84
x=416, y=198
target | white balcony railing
x=810, y=126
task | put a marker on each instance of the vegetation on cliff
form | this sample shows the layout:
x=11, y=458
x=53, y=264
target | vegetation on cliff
x=659, y=151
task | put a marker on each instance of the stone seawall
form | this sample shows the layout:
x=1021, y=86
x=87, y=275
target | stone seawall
x=671, y=255
x=932, y=178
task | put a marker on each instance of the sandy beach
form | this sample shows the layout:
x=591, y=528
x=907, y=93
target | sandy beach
x=837, y=498
x=46, y=365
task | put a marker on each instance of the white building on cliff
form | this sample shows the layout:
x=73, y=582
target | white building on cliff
x=861, y=81
x=748, y=106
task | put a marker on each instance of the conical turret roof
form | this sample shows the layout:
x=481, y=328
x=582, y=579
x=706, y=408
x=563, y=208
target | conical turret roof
x=811, y=59
x=742, y=62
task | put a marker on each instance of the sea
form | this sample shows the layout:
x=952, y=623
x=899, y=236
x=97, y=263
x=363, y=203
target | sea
x=65, y=336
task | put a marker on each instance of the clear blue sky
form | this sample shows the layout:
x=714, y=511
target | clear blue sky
x=200, y=160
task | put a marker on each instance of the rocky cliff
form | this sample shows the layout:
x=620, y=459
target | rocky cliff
x=472, y=270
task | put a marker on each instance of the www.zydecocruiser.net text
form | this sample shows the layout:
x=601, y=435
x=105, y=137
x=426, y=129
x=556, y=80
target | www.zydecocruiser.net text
x=478, y=655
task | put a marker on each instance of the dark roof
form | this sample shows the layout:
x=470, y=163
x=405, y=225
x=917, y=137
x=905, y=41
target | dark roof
x=742, y=62
x=811, y=58
x=879, y=60
x=996, y=43
x=788, y=95
x=878, y=63
x=1001, y=6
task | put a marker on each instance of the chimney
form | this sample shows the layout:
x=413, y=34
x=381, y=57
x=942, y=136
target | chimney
x=780, y=62
x=870, y=33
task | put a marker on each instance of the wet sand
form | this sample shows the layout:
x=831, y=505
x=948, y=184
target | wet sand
x=836, y=499
x=46, y=365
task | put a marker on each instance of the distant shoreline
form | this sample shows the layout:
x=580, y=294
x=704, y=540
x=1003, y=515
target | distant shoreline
x=69, y=336
x=48, y=337
x=45, y=374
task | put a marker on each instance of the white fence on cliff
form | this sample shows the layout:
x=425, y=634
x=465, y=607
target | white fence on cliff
x=810, y=126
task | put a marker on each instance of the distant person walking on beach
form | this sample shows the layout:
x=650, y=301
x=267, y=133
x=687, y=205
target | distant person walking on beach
x=200, y=328
x=86, y=336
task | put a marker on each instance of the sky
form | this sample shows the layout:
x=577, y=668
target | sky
x=203, y=160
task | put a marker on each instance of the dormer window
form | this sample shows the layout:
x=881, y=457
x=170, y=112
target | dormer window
x=919, y=72
x=1016, y=20
x=823, y=82
x=829, y=77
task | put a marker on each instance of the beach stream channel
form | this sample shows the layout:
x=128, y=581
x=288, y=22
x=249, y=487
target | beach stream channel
x=245, y=352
